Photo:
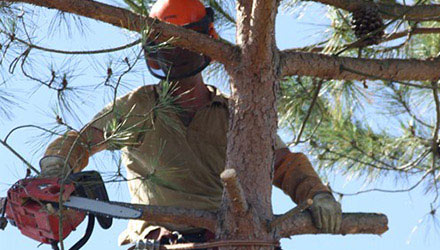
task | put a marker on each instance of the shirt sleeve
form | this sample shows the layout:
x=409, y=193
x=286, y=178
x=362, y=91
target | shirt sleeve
x=124, y=121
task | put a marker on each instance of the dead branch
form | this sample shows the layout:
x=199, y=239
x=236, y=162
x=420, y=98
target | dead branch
x=352, y=223
x=390, y=11
x=218, y=50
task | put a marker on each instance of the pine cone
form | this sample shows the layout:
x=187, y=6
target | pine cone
x=367, y=20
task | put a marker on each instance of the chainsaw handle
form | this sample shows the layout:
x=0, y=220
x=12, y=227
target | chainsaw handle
x=89, y=184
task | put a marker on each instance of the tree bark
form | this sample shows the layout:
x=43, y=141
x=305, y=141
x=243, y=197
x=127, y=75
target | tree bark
x=352, y=223
x=252, y=124
x=390, y=11
x=346, y=68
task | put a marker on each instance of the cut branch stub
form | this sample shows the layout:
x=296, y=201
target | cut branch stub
x=296, y=210
x=234, y=190
x=352, y=223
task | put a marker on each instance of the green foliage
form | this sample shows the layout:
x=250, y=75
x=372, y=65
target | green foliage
x=341, y=133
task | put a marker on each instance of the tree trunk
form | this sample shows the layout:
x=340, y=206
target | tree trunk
x=252, y=124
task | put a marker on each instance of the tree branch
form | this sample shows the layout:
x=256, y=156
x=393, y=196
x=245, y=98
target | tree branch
x=352, y=223
x=388, y=37
x=182, y=216
x=218, y=50
x=347, y=68
x=294, y=211
x=390, y=11
x=244, y=9
x=262, y=34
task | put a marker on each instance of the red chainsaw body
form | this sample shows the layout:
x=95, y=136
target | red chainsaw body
x=28, y=207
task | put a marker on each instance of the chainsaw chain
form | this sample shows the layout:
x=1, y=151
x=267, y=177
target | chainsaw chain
x=123, y=204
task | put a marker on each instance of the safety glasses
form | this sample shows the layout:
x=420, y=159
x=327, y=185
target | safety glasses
x=202, y=25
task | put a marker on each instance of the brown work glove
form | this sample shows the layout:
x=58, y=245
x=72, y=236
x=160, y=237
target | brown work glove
x=297, y=178
x=326, y=213
x=67, y=147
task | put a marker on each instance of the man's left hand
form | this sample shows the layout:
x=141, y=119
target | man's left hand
x=326, y=213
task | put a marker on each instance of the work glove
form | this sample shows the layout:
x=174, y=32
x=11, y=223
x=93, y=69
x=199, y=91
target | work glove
x=66, y=146
x=54, y=166
x=326, y=213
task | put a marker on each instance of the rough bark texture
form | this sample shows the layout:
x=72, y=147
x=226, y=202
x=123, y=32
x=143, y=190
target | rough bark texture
x=190, y=217
x=352, y=223
x=253, y=123
x=333, y=67
x=390, y=11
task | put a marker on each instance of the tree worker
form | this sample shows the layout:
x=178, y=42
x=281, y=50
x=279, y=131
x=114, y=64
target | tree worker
x=176, y=130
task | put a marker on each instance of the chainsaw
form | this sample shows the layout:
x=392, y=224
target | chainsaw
x=49, y=209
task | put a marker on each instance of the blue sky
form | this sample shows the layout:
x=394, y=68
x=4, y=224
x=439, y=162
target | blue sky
x=405, y=211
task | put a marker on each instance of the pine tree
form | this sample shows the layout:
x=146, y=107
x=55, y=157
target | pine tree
x=328, y=94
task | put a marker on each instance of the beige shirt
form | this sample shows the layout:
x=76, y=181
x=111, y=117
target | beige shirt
x=169, y=163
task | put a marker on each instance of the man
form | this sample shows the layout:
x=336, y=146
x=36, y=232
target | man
x=173, y=139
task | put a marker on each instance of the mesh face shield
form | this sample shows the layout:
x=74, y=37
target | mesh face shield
x=177, y=63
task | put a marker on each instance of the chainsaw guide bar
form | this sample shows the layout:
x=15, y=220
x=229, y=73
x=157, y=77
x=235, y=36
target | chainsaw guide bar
x=103, y=208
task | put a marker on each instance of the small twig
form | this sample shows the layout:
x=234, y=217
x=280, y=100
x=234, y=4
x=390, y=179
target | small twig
x=20, y=157
x=296, y=210
x=78, y=52
x=435, y=147
x=386, y=190
x=28, y=126
x=309, y=112
x=235, y=191
x=406, y=106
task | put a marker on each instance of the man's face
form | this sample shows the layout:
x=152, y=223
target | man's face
x=178, y=62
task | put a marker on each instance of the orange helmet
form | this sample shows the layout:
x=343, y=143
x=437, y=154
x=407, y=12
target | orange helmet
x=177, y=63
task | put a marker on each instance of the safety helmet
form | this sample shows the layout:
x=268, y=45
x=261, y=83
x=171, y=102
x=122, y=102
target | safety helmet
x=177, y=63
